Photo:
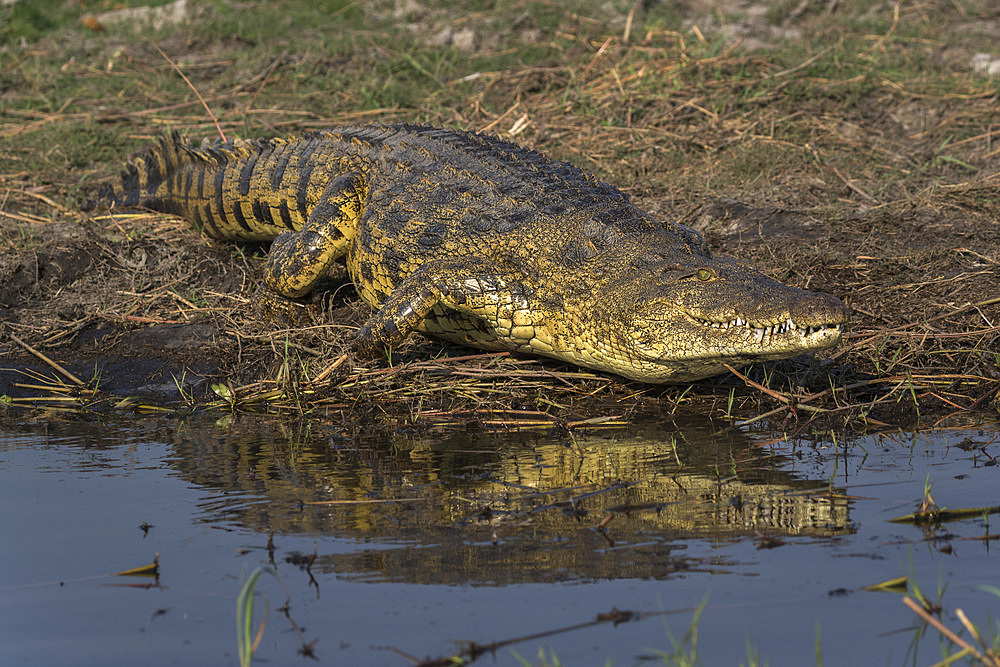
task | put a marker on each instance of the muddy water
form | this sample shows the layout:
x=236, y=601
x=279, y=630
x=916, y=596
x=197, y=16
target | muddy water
x=415, y=543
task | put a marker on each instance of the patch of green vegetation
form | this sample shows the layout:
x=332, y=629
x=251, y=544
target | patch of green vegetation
x=67, y=152
x=30, y=20
x=325, y=23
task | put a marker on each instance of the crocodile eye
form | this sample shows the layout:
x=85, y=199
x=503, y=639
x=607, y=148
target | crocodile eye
x=704, y=274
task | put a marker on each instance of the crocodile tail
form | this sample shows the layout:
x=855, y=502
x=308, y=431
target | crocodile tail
x=145, y=173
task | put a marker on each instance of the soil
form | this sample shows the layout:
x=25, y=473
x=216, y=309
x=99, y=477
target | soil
x=856, y=201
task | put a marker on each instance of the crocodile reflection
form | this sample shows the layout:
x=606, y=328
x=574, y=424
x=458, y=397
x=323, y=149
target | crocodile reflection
x=506, y=507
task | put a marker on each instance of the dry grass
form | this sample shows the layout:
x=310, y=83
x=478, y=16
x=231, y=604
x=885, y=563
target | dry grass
x=864, y=162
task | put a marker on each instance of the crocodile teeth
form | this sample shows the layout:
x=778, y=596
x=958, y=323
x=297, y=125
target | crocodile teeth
x=763, y=332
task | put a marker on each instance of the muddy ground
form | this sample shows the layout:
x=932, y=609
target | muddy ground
x=843, y=147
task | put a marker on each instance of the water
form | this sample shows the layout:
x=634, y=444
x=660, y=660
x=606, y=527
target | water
x=447, y=536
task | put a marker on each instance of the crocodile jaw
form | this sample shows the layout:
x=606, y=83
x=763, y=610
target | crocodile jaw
x=775, y=340
x=689, y=346
x=689, y=329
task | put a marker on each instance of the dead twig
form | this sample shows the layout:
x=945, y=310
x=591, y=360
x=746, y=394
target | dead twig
x=194, y=90
x=966, y=647
x=850, y=184
x=74, y=379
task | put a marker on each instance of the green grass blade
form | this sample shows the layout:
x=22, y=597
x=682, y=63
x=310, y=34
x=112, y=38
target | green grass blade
x=244, y=617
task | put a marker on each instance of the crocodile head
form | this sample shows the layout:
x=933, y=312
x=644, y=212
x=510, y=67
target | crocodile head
x=709, y=311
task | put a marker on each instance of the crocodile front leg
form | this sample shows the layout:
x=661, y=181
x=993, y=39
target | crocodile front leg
x=483, y=307
x=298, y=259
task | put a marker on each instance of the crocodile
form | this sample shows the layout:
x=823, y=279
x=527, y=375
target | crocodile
x=482, y=242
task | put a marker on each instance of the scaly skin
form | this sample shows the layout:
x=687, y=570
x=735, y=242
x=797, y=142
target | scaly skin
x=485, y=243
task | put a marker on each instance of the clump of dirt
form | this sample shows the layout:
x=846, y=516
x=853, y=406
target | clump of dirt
x=29, y=276
x=107, y=307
